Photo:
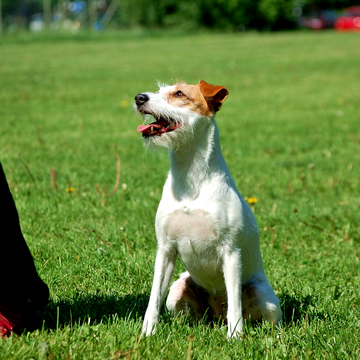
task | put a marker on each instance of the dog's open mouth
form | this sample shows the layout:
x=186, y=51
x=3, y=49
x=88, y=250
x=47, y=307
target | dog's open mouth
x=158, y=127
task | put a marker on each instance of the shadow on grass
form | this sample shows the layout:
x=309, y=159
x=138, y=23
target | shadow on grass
x=299, y=308
x=93, y=309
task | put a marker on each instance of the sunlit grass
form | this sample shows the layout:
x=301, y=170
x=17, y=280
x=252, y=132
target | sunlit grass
x=290, y=135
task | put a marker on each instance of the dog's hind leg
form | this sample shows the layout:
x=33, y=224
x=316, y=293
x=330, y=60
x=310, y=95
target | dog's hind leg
x=260, y=302
x=187, y=298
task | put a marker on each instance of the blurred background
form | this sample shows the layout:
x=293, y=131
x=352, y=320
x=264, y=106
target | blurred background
x=183, y=15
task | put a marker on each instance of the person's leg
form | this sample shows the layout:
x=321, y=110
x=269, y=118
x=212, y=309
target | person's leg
x=22, y=292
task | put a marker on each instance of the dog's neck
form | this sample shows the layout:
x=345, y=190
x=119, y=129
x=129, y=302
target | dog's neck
x=195, y=162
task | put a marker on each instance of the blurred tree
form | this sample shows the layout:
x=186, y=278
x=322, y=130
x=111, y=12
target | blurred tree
x=9, y=7
x=331, y=4
x=1, y=23
x=218, y=14
x=278, y=14
x=188, y=15
x=47, y=13
x=309, y=6
x=20, y=7
x=21, y=10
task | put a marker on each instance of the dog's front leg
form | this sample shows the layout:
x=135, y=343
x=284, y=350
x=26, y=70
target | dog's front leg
x=232, y=277
x=164, y=268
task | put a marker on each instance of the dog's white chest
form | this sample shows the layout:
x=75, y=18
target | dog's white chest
x=194, y=225
x=196, y=239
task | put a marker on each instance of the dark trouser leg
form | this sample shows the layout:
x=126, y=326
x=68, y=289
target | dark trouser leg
x=20, y=285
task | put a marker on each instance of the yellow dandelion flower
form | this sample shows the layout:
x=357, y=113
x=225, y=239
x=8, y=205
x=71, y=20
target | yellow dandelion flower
x=252, y=200
x=70, y=190
x=124, y=103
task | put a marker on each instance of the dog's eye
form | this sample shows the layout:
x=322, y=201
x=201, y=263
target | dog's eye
x=179, y=94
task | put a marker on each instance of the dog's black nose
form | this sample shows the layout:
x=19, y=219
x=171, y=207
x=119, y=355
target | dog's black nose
x=141, y=99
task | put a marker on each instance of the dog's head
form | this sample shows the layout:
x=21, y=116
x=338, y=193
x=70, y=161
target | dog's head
x=178, y=109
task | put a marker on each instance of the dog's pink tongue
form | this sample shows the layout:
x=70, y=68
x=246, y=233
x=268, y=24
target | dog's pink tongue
x=144, y=128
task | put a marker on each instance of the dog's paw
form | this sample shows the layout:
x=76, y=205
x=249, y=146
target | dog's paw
x=237, y=335
x=235, y=332
x=147, y=331
x=149, y=328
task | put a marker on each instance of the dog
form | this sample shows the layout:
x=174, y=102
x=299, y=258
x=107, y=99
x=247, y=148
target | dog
x=202, y=218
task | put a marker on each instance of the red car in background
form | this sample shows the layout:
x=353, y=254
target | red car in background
x=350, y=21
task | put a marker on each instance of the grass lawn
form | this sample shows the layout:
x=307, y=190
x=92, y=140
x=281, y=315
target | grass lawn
x=290, y=133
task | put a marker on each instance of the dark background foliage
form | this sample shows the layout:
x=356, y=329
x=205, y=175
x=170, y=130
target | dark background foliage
x=221, y=14
x=228, y=15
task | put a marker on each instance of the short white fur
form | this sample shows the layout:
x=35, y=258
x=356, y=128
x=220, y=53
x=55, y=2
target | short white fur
x=203, y=219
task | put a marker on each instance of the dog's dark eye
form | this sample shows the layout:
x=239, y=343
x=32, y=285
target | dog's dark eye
x=179, y=93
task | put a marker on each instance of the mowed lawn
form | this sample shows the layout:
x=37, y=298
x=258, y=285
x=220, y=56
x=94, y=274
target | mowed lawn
x=290, y=133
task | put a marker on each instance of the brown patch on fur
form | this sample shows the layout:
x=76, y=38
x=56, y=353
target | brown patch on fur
x=194, y=300
x=219, y=306
x=192, y=97
x=249, y=300
x=250, y=291
x=214, y=95
x=197, y=296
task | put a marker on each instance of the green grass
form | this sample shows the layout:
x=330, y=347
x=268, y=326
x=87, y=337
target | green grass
x=290, y=135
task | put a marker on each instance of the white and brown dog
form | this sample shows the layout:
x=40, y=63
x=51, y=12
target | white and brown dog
x=202, y=217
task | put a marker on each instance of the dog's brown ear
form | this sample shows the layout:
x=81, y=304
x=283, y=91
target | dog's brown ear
x=214, y=95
